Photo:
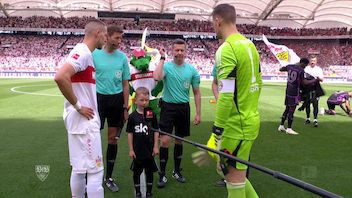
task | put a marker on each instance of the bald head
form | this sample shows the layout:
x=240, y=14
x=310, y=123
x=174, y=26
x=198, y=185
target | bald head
x=95, y=34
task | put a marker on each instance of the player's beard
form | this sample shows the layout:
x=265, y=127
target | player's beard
x=114, y=46
x=100, y=45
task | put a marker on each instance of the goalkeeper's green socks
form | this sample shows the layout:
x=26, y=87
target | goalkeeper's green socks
x=236, y=190
x=241, y=190
x=250, y=192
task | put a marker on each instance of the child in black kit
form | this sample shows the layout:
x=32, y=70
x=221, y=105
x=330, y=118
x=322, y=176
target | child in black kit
x=142, y=141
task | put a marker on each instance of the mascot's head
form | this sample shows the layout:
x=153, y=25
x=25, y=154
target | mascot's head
x=140, y=60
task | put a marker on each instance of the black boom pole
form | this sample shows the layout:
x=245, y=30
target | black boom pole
x=278, y=175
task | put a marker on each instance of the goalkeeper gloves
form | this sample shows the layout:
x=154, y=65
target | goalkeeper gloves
x=201, y=158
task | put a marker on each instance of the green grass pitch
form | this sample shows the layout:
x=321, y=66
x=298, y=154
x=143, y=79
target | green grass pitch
x=32, y=133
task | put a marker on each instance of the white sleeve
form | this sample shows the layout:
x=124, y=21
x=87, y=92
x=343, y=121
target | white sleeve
x=321, y=74
x=78, y=60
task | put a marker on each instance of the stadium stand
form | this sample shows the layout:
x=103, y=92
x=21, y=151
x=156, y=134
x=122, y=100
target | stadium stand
x=26, y=52
x=166, y=25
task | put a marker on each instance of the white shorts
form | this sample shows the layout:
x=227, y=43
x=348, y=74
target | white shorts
x=85, y=152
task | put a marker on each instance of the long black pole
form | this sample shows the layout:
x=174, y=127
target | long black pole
x=275, y=174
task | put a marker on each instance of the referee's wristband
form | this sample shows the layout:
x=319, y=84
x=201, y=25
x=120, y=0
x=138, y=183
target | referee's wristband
x=162, y=58
x=77, y=106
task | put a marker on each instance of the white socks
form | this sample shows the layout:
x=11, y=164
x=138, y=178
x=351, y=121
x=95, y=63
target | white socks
x=78, y=184
x=94, y=185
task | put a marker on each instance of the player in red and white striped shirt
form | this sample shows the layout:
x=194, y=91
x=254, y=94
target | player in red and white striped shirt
x=76, y=81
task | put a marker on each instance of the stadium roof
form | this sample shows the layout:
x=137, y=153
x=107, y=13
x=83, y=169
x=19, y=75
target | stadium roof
x=277, y=13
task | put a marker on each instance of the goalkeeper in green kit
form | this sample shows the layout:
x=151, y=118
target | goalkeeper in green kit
x=237, y=120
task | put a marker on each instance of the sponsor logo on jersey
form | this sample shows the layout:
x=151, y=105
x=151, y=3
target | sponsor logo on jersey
x=75, y=56
x=149, y=114
x=141, y=128
x=254, y=87
x=138, y=76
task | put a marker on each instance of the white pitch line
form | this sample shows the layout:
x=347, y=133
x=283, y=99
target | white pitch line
x=205, y=97
x=13, y=89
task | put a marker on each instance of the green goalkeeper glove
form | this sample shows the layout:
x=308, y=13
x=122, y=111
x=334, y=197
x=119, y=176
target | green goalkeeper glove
x=201, y=158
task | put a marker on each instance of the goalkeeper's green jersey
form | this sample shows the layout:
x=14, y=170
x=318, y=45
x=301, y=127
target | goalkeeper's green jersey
x=240, y=83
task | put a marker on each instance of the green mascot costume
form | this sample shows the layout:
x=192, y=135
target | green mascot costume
x=142, y=67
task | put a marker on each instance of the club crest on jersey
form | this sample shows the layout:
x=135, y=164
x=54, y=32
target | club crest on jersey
x=75, y=56
x=99, y=162
x=186, y=84
x=118, y=74
x=42, y=171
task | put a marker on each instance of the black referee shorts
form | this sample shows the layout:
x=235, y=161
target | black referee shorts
x=110, y=107
x=175, y=115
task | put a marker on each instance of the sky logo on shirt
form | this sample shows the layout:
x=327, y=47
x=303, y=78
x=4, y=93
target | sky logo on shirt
x=141, y=128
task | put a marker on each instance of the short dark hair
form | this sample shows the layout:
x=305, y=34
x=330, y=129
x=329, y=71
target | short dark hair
x=179, y=42
x=304, y=61
x=114, y=29
x=225, y=11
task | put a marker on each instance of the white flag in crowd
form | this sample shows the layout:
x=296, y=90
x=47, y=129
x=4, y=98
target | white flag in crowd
x=282, y=53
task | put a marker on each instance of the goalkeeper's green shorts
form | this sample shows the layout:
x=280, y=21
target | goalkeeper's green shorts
x=237, y=148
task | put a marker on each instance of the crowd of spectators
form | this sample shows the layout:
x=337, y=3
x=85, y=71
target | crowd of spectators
x=164, y=25
x=46, y=53
x=29, y=53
